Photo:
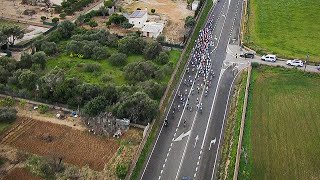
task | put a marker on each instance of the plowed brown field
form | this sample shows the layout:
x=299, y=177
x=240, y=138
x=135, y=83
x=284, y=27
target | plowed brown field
x=77, y=147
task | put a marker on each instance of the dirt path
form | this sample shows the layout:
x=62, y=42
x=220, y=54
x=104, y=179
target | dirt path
x=27, y=111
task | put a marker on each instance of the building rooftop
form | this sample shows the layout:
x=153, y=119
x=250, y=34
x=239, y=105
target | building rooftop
x=152, y=27
x=138, y=14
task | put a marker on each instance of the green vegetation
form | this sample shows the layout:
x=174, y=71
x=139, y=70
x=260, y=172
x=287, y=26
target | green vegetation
x=74, y=67
x=232, y=130
x=147, y=147
x=281, y=136
x=285, y=27
x=4, y=126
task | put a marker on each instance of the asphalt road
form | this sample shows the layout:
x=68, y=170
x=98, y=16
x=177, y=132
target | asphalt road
x=192, y=150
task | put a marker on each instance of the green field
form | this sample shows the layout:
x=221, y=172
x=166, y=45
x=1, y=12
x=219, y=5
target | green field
x=282, y=130
x=74, y=67
x=289, y=28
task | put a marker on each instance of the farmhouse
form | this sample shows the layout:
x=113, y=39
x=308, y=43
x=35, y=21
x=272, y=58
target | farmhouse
x=138, y=18
x=152, y=29
x=194, y=5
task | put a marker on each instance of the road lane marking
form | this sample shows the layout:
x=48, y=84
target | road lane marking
x=182, y=135
x=222, y=127
x=196, y=140
x=172, y=101
x=211, y=110
x=212, y=142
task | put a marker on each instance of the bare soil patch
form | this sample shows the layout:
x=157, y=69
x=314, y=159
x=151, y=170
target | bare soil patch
x=173, y=13
x=77, y=147
x=21, y=173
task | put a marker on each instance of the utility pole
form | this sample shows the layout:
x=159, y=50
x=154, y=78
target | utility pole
x=305, y=63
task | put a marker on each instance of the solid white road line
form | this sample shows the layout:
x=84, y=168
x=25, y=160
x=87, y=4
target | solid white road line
x=222, y=127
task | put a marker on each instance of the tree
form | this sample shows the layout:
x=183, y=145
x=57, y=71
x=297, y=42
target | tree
x=189, y=22
x=12, y=32
x=153, y=11
x=161, y=38
x=92, y=23
x=43, y=18
x=131, y=44
x=99, y=53
x=139, y=108
x=4, y=75
x=7, y=114
x=80, y=20
x=152, y=50
x=139, y=71
x=3, y=38
x=189, y=2
x=163, y=58
x=95, y=106
x=49, y=48
x=117, y=19
x=27, y=79
x=104, y=11
x=40, y=58
x=25, y=61
x=153, y=89
x=108, y=3
x=126, y=25
x=66, y=29
x=55, y=20
x=63, y=15
x=118, y=59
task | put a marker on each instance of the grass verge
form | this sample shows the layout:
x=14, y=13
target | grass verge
x=231, y=138
x=151, y=138
x=284, y=27
x=281, y=135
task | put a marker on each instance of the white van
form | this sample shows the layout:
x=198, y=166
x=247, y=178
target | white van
x=269, y=57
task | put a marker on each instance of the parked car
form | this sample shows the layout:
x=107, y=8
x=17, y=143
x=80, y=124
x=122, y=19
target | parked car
x=269, y=57
x=247, y=55
x=295, y=62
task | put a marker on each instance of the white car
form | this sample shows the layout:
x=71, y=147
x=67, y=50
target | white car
x=296, y=63
x=269, y=57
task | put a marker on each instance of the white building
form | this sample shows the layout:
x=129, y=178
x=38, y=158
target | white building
x=138, y=18
x=194, y=5
x=152, y=29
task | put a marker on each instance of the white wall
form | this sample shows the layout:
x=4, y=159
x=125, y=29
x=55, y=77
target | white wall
x=138, y=22
x=151, y=34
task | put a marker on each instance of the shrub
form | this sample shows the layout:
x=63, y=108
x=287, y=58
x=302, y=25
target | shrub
x=63, y=15
x=95, y=106
x=7, y=114
x=7, y=102
x=43, y=18
x=106, y=78
x=255, y=64
x=153, y=11
x=163, y=58
x=126, y=25
x=161, y=38
x=152, y=50
x=99, y=53
x=55, y=20
x=121, y=171
x=118, y=59
x=43, y=108
x=92, y=68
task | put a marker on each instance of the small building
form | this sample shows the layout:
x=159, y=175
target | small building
x=152, y=29
x=138, y=18
x=194, y=5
